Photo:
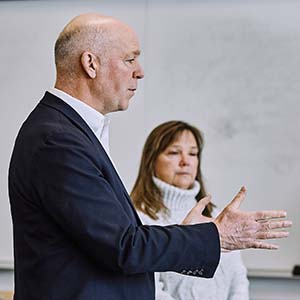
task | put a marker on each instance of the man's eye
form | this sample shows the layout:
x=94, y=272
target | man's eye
x=193, y=154
x=131, y=61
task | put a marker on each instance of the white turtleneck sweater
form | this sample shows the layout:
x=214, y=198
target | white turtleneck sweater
x=230, y=280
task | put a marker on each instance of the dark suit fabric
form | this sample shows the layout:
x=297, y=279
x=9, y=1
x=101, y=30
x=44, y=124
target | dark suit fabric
x=76, y=233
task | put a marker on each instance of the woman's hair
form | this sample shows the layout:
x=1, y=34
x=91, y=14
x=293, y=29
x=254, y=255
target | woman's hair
x=145, y=194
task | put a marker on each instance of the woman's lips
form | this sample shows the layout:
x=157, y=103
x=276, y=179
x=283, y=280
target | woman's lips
x=183, y=173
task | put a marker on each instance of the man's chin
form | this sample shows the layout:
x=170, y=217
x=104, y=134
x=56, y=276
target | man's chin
x=123, y=106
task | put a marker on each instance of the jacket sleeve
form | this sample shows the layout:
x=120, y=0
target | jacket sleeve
x=160, y=288
x=73, y=189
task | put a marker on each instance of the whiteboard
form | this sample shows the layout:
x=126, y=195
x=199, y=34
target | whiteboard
x=229, y=67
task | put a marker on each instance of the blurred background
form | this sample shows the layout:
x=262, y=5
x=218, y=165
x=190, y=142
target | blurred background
x=229, y=67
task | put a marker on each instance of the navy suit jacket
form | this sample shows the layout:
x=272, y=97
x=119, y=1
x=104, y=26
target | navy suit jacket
x=76, y=233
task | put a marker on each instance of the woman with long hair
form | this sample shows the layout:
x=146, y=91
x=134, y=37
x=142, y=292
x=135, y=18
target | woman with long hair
x=168, y=185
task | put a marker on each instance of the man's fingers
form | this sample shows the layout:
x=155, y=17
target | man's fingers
x=257, y=243
x=251, y=243
x=242, y=230
x=267, y=225
x=272, y=235
x=195, y=215
x=237, y=200
x=269, y=214
x=262, y=245
x=200, y=206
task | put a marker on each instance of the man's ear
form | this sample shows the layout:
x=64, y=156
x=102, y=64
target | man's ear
x=89, y=64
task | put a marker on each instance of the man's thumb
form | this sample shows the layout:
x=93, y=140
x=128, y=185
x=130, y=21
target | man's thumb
x=238, y=199
x=200, y=206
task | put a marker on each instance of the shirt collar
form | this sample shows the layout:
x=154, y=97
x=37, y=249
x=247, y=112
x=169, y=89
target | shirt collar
x=98, y=123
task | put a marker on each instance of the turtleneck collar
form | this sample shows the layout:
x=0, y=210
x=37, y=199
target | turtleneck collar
x=177, y=198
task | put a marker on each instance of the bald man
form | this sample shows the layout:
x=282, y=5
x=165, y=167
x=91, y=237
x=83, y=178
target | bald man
x=76, y=233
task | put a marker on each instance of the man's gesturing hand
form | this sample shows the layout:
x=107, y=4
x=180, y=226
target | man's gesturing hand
x=242, y=229
x=195, y=215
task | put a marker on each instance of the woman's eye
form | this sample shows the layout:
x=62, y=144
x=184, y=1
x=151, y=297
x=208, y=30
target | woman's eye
x=193, y=154
x=173, y=153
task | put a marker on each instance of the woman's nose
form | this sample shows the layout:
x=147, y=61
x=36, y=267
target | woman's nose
x=184, y=160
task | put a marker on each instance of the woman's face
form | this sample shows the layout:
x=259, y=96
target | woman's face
x=178, y=163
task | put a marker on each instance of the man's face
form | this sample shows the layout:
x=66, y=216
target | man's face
x=120, y=72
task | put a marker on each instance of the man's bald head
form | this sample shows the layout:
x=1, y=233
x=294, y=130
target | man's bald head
x=97, y=62
x=88, y=32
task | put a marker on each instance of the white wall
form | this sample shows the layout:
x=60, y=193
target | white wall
x=270, y=288
x=229, y=67
x=232, y=68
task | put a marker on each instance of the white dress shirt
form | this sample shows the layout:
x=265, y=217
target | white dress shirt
x=95, y=120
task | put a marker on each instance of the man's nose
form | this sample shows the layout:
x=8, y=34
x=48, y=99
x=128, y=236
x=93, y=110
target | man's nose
x=139, y=72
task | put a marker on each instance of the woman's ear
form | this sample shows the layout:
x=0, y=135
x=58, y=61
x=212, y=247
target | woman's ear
x=89, y=63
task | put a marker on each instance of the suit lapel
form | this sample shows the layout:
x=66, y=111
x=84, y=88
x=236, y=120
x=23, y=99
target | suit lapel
x=58, y=104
